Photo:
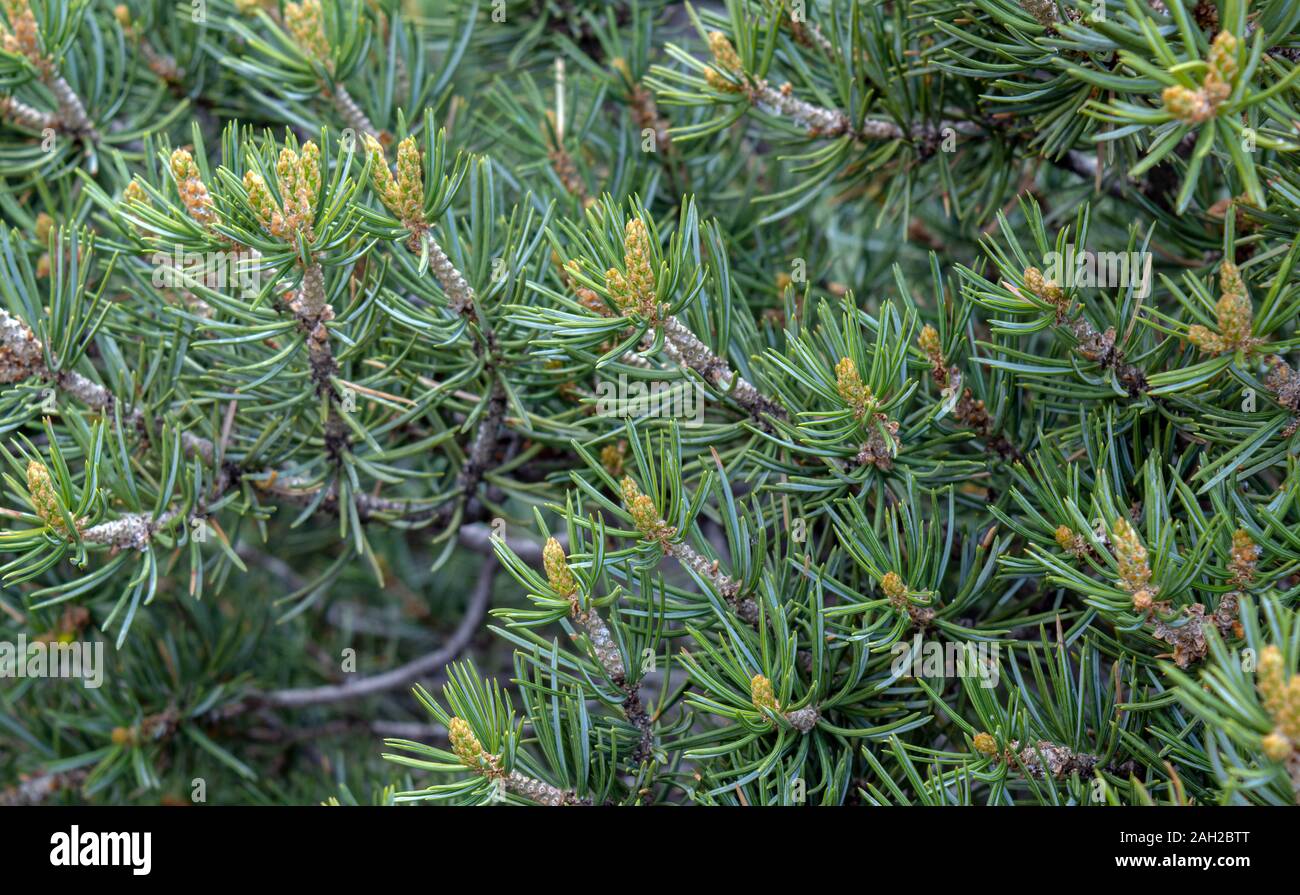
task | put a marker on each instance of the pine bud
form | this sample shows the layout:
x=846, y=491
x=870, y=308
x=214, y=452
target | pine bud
x=1222, y=60
x=44, y=498
x=895, y=589
x=929, y=343
x=1206, y=339
x=380, y=177
x=1244, y=558
x=985, y=744
x=135, y=194
x=616, y=286
x=1131, y=556
x=1200, y=105
x=1235, y=317
x=851, y=388
x=193, y=192
x=557, y=568
x=724, y=58
x=611, y=457
x=410, y=181
x=762, y=694
x=635, y=292
x=1071, y=542
x=261, y=200
x=123, y=15
x=1046, y=290
x=1280, y=693
x=306, y=22
x=44, y=226
x=1277, y=747
x=644, y=513
x=403, y=196
x=25, y=39
x=1187, y=105
x=467, y=747
x=299, y=181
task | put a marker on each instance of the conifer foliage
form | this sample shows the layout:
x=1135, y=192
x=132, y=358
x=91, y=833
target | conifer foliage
x=576, y=403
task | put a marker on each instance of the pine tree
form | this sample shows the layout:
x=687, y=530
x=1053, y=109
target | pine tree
x=829, y=403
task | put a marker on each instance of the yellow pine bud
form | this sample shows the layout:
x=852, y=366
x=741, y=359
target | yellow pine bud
x=25, y=39
x=984, y=743
x=894, y=588
x=123, y=15
x=619, y=290
x=1244, y=558
x=466, y=746
x=1187, y=105
x=724, y=54
x=309, y=170
x=44, y=226
x=611, y=457
x=557, y=568
x=1277, y=747
x=1236, y=317
x=725, y=59
x=306, y=22
x=410, y=182
x=261, y=200
x=762, y=695
x=189, y=185
x=135, y=193
x=286, y=171
x=929, y=343
x=1206, y=339
x=299, y=181
x=1230, y=277
x=851, y=387
x=44, y=498
x=380, y=177
x=1270, y=676
x=1131, y=556
x=1222, y=60
x=1044, y=289
x=1280, y=693
x=637, y=258
x=1067, y=539
x=642, y=509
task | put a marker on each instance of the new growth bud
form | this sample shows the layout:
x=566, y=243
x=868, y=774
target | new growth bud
x=1235, y=316
x=852, y=389
x=189, y=184
x=725, y=59
x=1134, y=572
x=1196, y=106
x=45, y=499
x=762, y=694
x=306, y=22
